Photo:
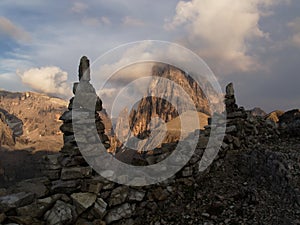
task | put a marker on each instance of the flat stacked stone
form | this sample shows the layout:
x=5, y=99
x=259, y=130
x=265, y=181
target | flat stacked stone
x=68, y=169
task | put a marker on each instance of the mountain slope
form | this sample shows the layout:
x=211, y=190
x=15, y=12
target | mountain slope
x=6, y=134
x=162, y=94
x=39, y=114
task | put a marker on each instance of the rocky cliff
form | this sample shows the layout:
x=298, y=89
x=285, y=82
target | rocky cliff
x=39, y=115
x=6, y=133
x=159, y=95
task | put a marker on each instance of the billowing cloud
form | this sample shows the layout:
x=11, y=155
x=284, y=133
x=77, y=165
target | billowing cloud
x=7, y=27
x=222, y=30
x=295, y=26
x=130, y=21
x=50, y=80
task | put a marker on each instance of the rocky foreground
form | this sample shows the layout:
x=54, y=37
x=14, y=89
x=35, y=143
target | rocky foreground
x=253, y=180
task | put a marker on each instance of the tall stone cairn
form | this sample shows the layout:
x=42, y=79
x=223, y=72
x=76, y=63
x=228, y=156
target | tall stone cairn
x=230, y=102
x=71, y=165
x=86, y=98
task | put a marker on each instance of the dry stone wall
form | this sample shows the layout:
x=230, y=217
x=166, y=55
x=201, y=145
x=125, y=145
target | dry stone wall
x=73, y=193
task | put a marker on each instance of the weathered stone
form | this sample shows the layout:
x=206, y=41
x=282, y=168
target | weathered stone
x=83, y=201
x=69, y=139
x=136, y=195
x=231, y=129
x=187, y=172
x=82, y=221
x=85, y=100
x=84, y=69
x=99, y=209
x=67, y=128
x=75, y=85
x=98, y=222
x=73, y=161
x=108, y=174
x=34, y=210
x=15, y=200
x=158, y=194
x=36, y=186
x=229, y=90
x=69, y=173
x=52, y=160
x=65, y=186
x=25, y=220
x=92, y=186
x=70, y=106
x=123, y=211
x=52, y=174
x=237, y=114
x=118, y=195
x=236, y=142
x=66, y=116
x=61, y=213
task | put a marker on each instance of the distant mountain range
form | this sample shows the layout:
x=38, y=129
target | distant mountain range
x=32, y=119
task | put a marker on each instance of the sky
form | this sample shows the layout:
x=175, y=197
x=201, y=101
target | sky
x=255, y=43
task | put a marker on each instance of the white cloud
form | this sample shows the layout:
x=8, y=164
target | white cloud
x=7, y=27
x=50, y=80
x=130, y=21
x=221, y=30
x=295, y=27
x=79, y=7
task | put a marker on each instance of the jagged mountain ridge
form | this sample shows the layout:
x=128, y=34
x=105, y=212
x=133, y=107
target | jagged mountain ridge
x=160, y=89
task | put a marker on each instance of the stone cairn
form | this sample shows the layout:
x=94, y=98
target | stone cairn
x=72, y=193
x=243, y=130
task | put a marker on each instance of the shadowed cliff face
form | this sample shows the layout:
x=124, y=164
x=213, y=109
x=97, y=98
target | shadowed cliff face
x=162, y=91
x=6, y=134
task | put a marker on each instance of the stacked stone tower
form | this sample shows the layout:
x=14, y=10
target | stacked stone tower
x=86, y=97
x=83, y=109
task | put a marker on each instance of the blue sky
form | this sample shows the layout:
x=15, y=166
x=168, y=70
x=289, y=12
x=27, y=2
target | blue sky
x=254, y=43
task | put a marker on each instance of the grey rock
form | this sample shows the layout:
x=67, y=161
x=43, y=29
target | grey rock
x=83, y=201
x=231, y=129
x=99, y=209
x=52, y=162
x=84, y=69
x=118, y=195
x=187, y=172
x=61, y=214
x=15, y=200
x=135, y=195
x=76, y=173
x=229, y=90
x=123, y=211
x=65, y=186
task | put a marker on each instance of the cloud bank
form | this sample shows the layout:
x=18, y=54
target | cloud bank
x=222, y=30
x=295, y=27
x=49, y=80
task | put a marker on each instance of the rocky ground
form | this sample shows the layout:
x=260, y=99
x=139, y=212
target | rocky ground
x=253, y=186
